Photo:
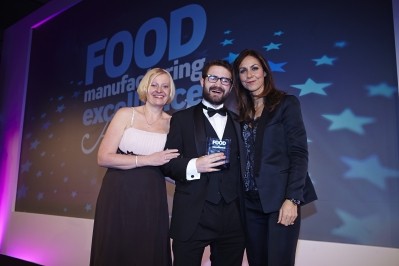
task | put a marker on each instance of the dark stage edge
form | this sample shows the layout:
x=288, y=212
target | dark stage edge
x=10, y=261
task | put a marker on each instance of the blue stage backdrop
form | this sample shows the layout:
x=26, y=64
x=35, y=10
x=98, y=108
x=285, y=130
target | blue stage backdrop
x=338, y=57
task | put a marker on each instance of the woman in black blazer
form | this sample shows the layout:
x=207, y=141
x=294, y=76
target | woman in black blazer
x=276, y=180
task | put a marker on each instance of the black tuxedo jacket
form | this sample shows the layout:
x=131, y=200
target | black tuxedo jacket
x=187, y=134
x=281, y=156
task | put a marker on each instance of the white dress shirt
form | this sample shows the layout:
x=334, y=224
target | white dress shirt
x=218, y=123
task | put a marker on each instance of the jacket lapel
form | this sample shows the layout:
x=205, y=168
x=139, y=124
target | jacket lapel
x=237, y=127
x=264, y=119
x=199, y=130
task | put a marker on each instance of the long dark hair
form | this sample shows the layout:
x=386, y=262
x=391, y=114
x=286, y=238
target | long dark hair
x=271, y=95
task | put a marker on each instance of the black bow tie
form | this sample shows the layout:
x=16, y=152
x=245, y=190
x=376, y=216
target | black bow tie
x=212, y=112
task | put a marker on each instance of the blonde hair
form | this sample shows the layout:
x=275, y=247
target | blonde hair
x=151, y=74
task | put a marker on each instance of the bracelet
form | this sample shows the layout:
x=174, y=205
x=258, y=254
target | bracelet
x=136, y=161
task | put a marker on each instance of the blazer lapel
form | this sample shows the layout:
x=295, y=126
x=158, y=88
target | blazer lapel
x=199, y=130
x=237, y=127
x=263, y=121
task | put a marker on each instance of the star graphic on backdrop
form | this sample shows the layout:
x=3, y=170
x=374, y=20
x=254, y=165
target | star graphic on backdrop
x=272, y=46
x=74, y=194
x=227, y=32
x=22, y=191
x=324, y=60
x=276, y=67
x=347, y=120
x=46, y=125
x=43, y=115
x=362, y=230
x=65, y=179
x=40, y=196
x=88, y=207
x=231, y=57
x=60, y=108
x=382, y=89
x=278, y=33
x=340, y=44
x=227, y=42
x=34, y=144
x=26, y=166
x=60, y=98
x=39, y=174
x=75, y=94
x=311, y=87
x=369, y=169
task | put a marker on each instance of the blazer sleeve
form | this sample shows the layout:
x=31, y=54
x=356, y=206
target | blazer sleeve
x=176, y=168
x=297, y=148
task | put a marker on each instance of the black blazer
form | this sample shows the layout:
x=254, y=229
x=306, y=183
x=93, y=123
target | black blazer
x=281, y=156
x=187, y=134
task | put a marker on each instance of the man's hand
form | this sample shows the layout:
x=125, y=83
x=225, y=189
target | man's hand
x=208, y=163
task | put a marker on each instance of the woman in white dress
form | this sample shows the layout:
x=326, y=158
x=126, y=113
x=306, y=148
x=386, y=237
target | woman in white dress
x=132, y=221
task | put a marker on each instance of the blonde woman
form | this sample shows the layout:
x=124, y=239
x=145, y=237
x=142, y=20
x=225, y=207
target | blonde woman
x=131, y=221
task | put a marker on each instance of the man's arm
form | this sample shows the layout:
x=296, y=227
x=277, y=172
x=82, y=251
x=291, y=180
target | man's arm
x=176, y=168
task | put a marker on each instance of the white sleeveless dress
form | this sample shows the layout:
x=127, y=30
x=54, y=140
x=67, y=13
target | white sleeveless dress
x=132, y=221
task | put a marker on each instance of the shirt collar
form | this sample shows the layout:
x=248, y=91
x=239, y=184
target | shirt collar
x=207, y=104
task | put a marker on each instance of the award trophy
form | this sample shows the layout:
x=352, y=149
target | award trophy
x=215, y=145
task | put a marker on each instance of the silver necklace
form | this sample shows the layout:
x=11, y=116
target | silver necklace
x=146, y=120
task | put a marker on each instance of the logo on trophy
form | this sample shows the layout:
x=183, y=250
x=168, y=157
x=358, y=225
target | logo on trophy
x=215, y=145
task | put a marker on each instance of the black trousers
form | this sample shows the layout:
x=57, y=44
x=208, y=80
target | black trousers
x=268, y=242
x=221, y=228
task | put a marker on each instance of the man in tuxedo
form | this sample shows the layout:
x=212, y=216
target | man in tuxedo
x=207, y=199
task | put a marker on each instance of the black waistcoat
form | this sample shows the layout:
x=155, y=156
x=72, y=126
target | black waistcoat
x=224, y=183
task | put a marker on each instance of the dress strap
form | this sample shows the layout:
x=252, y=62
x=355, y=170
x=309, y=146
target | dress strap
x=131, y=122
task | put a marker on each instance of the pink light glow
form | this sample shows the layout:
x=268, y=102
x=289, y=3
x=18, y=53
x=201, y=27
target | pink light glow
x=43, y=21
x=10, y=136
x=26, y=254
x=9, y=168
x=49, y=18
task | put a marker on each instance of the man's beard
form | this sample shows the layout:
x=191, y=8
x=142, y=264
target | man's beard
x=216, y=100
